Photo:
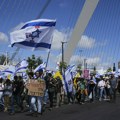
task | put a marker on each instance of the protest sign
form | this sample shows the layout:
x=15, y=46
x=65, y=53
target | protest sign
x=36, y=88
x=86, y=74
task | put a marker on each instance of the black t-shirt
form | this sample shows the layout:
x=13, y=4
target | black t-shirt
x=58, y=85
x=18, y=87
x=51, y=85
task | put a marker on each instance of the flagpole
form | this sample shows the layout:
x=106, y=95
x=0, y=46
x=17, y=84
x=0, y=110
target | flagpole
x=48, y=54
x=47, y=60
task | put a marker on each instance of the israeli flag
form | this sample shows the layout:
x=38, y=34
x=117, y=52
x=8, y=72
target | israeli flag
x=74, y=73
x=21, y=69
x=41, y=66
x=21, y=66
x=68, y=77
x=10, y=71
x=34, y=35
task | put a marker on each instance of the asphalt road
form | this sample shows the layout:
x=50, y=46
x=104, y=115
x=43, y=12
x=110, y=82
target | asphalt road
x=89, y=111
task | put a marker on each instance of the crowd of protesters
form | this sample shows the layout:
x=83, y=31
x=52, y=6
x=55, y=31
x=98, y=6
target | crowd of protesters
x=14, y=94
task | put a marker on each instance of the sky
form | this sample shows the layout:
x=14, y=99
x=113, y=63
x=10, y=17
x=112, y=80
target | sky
x=99, y=44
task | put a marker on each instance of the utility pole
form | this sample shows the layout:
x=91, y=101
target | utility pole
x=114, y=68
x=39, y=16
x=63, y=70
x=85, y=64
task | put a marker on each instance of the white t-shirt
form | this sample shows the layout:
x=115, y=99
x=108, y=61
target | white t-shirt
x=101, y=84
x=1, y=86
x=70, y=87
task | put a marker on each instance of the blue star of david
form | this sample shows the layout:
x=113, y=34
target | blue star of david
x=35, y=34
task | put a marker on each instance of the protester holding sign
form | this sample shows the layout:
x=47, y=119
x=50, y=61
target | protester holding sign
x=36, y=89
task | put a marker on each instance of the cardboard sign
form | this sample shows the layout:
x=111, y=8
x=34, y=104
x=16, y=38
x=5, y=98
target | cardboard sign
x=36, y=88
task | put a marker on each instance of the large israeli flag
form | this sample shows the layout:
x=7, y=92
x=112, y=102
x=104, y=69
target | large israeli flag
x=34, y=35
x=41, y=66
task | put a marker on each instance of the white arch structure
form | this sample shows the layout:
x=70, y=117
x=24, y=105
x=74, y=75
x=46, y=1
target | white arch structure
x=83, y=20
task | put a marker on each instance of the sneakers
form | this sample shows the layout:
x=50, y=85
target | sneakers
x=82, y=103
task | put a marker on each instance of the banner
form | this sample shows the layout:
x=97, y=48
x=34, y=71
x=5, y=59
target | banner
x=86, y=74
x=36, y=88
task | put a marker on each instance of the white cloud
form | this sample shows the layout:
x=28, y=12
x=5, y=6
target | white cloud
x=80, y=60
x=93, y=61
x=105, y=65
x=76, y=59
x=3, y=37
x=86, y=42
x=17, y=27
x=58, y=58
x=58, y=36
x=102, y=43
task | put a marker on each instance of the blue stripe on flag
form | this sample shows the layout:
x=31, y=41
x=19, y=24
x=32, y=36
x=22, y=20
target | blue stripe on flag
x=8, y=71
x=21, y=68
x=36, y=45
x=65, y=82
x=50, y=24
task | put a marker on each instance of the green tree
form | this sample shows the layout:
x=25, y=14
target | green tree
x=109, y=69
x=33, y=62
x=39, y=61
x=63, y=65
x=2, y=59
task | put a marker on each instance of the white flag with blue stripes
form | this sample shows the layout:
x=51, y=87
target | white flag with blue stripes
x=34, y=35
x=41, y=66
x=21, y=66
x=68, y=77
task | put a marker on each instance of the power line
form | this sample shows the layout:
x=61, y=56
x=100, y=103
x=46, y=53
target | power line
x=40, y=14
